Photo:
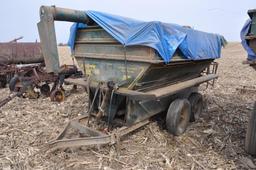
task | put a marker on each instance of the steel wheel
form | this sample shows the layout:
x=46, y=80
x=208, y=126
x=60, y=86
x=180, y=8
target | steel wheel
x=13, y=83
x=196, y=102
x=45, y=89
x=178, y=115
x=57, y=96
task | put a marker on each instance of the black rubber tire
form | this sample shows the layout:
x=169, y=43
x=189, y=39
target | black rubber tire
x=250, y=139
x=12, y=84
x=45, y=89
x=178, y=115
x=196, y=102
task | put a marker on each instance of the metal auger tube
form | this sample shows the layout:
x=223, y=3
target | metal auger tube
x=49, y=14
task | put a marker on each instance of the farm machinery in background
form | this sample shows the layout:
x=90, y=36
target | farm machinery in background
x=22, y=67
x=17, y=57
x=248, y=37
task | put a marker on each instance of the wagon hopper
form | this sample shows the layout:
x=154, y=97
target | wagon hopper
x=127, y=85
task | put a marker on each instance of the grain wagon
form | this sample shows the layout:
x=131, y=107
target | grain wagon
x=134, y=70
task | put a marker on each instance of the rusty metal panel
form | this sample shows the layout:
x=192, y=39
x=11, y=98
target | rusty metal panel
x=107, y=70
x=97, y=43
x=20, y=53
x=94, y=35
x=94, y=42
x=110, y=51
x=159, y=75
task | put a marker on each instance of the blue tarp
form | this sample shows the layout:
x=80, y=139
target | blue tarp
x=163, y=37
x=244, y=32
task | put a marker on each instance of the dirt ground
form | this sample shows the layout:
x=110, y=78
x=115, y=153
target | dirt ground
x=216, y=141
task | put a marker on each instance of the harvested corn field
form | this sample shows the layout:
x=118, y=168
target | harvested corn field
x=215, y=141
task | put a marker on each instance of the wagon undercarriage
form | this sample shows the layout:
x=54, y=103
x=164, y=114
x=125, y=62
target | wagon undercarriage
x=116, y=122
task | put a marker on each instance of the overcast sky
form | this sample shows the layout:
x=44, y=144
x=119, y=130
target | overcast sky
x=226, y=17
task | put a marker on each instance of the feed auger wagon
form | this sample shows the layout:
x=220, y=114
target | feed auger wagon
x=134, y=71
